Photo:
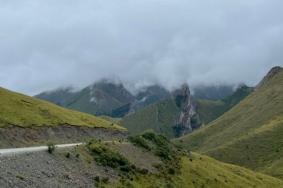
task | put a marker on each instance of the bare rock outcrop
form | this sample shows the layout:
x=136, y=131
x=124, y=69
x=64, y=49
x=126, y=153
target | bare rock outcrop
x=184, y=101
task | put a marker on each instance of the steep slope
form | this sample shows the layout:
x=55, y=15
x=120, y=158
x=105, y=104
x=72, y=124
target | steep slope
x=23, y=111
x=204, y=171
x=159, y=117
x=209, y=110
x=250, y=134
x=178, y=168
x=100, y=98
x=147, y=96
x=172, y=117
x=212, y=92
x=61, y=96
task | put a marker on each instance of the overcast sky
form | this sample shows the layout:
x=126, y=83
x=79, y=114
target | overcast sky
x=45, y=44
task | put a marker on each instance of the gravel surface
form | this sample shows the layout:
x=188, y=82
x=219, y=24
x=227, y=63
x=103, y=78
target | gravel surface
x=44, y=170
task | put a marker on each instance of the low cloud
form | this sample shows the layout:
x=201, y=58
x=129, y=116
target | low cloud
x=48, y=44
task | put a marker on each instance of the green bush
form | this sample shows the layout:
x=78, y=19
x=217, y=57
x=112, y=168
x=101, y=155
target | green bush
x=105, y=180
x=106, y=157
x=140, y=142
x=51, y=148
x=68, y=155
x=163, y=147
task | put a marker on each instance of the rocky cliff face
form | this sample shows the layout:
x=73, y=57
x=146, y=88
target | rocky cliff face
x=185, y=122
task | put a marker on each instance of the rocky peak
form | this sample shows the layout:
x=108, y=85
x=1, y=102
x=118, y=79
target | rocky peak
x=182, y=96
x=183, y=100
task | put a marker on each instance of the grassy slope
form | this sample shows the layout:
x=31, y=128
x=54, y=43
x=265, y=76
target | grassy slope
x=158, y=117
x=204, y=171
x=250, y=134
x=20, y=110
x=162, y=115
x=210, y=110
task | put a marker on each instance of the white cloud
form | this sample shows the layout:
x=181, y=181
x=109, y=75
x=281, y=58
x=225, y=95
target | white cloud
x=47, y=44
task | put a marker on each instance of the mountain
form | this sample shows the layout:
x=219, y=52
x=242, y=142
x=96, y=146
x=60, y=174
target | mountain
x=147, y=96
x=250, y=134
x=99, y=98
x=61, y=96
x=212, y=92
x=181, y=113
x=105, y=98
x=172, y=117
x=209, y=110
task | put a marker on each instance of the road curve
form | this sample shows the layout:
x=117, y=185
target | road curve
x=15, y=151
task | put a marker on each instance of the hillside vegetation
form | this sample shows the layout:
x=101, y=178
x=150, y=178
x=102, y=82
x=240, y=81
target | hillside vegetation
x=250, y=134
x=23, y=111
x=203, y=171
x=162, y=116
x=159, y=117
x=209, y=110
x=173, y=166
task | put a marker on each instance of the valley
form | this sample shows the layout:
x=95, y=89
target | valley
x=231, y=142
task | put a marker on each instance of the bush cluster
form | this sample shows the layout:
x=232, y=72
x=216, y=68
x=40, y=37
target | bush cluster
x=159, y=144
x=140, y=142
x=106, y=157
x=51, y=148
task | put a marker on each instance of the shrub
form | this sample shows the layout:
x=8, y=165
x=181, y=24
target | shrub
x=68, y=155
x=106, y=157
x=143, y=171
x=140, y=142
x=51, y=148
x=97, y=178
x=105, y=180
x=163, y=148
x=171, y=171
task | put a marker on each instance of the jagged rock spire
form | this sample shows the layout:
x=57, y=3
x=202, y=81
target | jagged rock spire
x=183, y=100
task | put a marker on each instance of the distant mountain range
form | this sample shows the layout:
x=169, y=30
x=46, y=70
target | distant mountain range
x=153, y=107
x=105, y=98
x=112, y=99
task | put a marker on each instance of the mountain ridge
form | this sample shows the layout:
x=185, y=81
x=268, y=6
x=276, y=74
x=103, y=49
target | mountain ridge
x=248, y=134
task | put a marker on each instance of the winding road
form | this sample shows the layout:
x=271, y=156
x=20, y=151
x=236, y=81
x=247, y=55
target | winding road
x=15, y=151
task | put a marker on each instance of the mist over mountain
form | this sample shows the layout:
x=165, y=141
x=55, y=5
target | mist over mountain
x=50, y=44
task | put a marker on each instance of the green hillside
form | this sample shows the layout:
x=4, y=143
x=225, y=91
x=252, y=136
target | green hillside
x=23, y=111
x=159, y=117
x=204, y=171
x=162, y=116
x=250, y=134
x=212, y=92
x=209, y=110
x=164, y=165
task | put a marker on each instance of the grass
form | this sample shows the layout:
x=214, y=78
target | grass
x=24, y=111
x=250, y=134
x=184, y=170
x=201, y=171
x=159, y=117
x=209, y=110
